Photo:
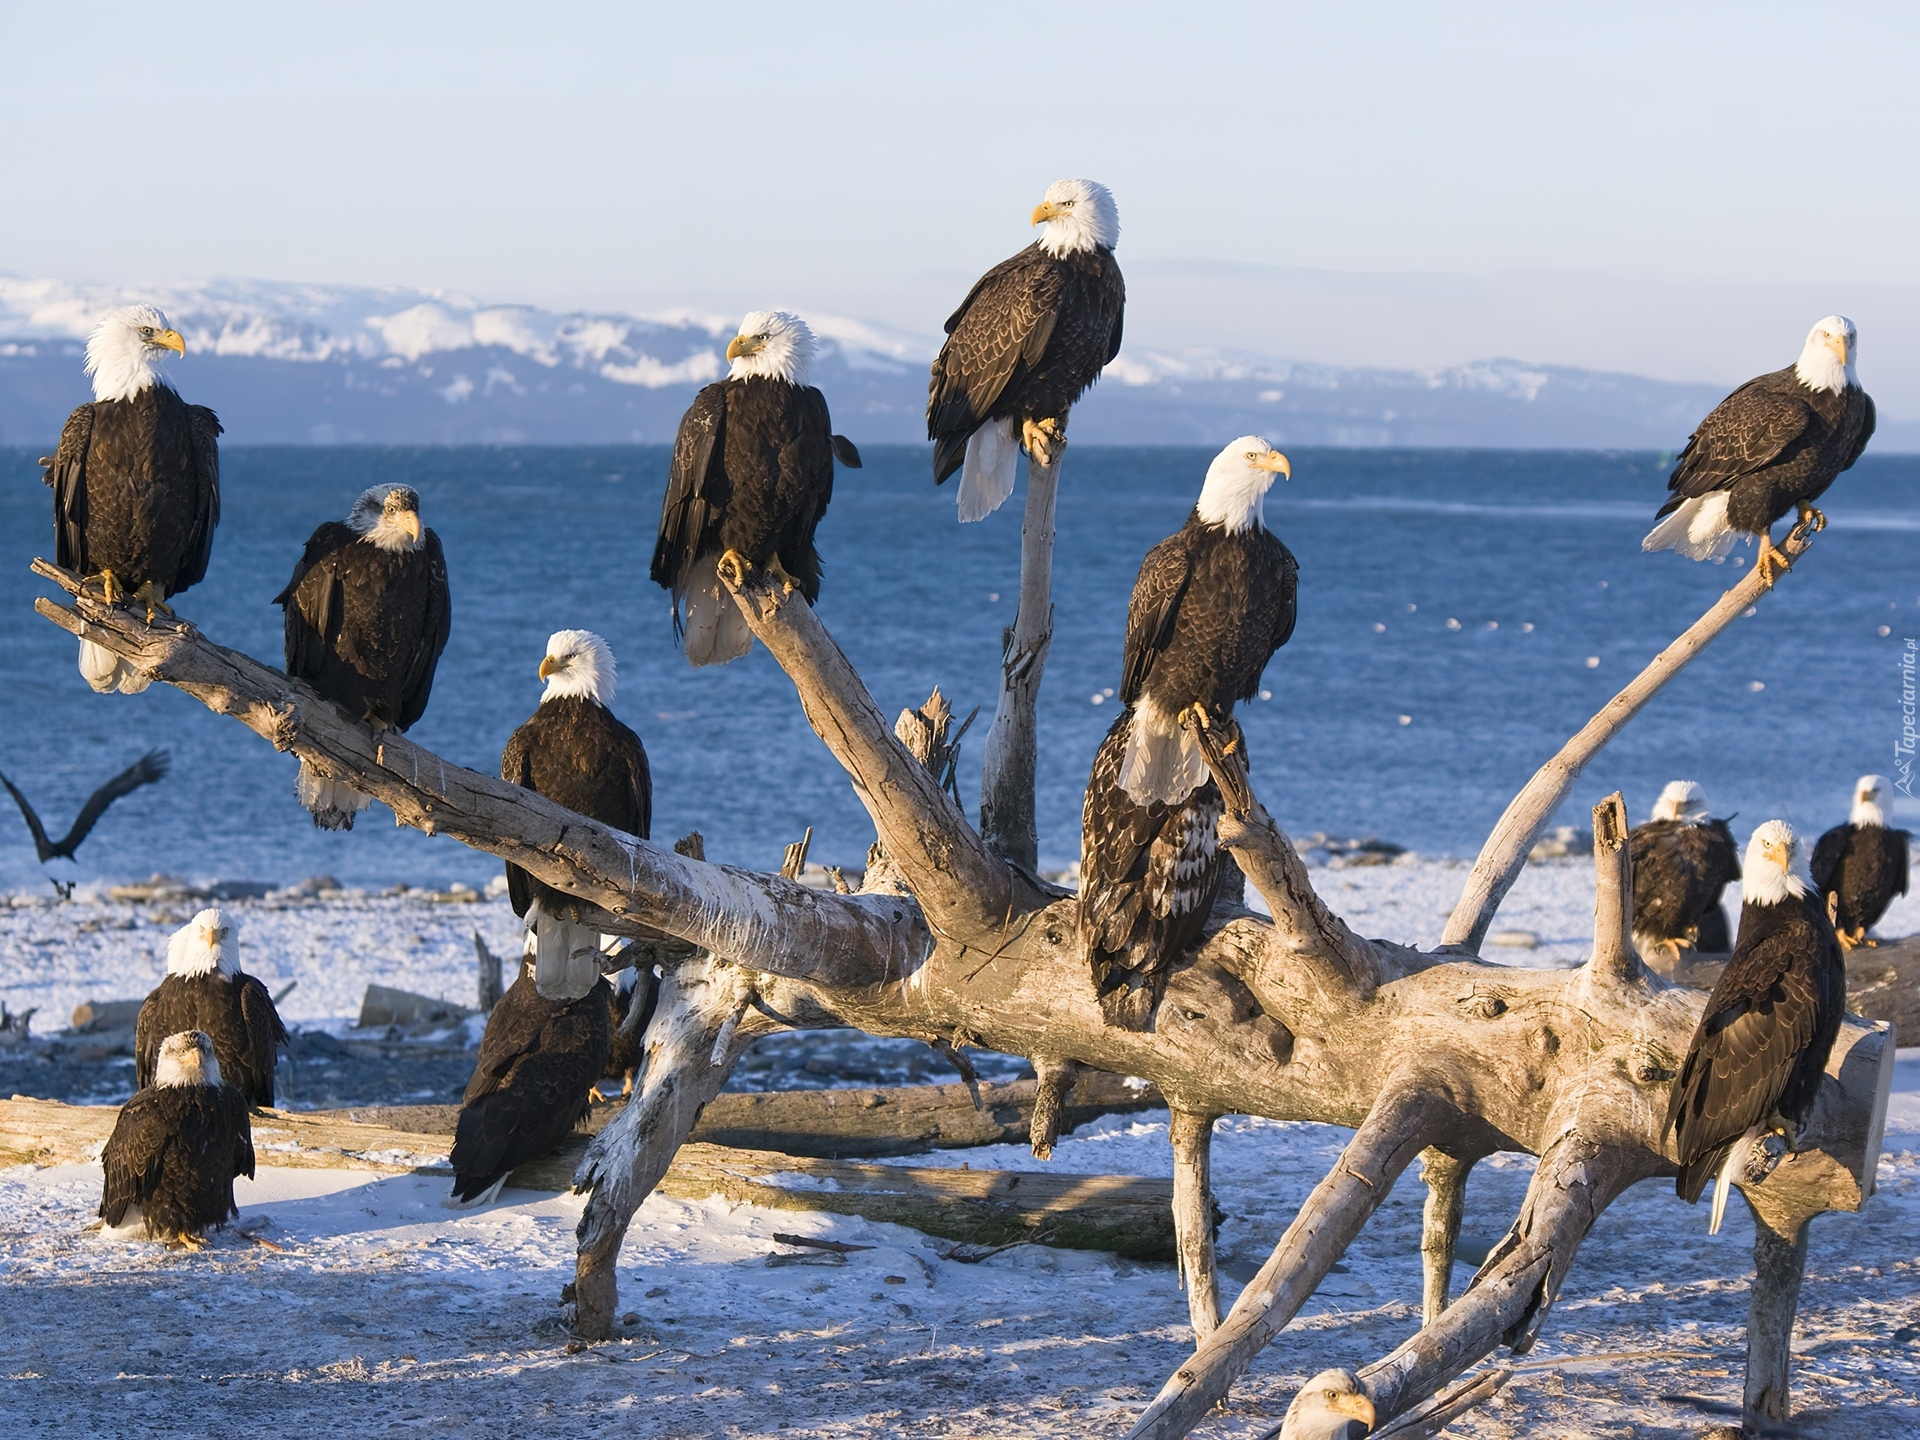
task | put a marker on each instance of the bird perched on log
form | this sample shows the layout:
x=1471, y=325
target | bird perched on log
x=1148, y=877
x=1034, y=332
x=176, y=1149
x=546, y=1044
x=1682, y=860
x=1755, y=1062
x=574, y=751
x=1210, y=606
x=1773, y=445
x=149, y=768
x=136, y=481
x=205, y=990
x=751, y=475
x=1331, y=1406
x=368, y=612
x=1860, y=866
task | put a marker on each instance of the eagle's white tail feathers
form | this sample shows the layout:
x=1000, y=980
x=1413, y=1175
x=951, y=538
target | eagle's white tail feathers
x=1163, y=760
x=105, y=672
x=1723, y=1182
x=334, y=803
x=1698, y=530
x=986, y=479
x=565, y=955
x=716, y=631
x=132, y=1226
x=485, y=1197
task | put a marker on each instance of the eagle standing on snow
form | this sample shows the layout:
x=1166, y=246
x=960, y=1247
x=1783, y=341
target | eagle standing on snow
x=1773, y=445
x=204, y=989
x=136, y=481
x=177, y=1148
x=1148, y=877
x=574, y=751
x=1026, y=343
x=1762, y=1043
x=1861, y=865
x=1682, y=860
x=367, y=615
x=1210, y=606
x=751, y=475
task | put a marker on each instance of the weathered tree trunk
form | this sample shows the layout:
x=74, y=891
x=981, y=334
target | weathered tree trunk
x=1290, y=1019
x=1192, y=1137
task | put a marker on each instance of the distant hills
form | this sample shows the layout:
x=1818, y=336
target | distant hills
x=299, y=364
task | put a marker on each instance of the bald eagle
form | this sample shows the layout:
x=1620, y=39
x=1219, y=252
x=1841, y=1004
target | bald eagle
x=574, y=751
x=204, y=989
x=1333, y=1405
x=136, y=481
x=1682, y=860
x=1028, y=340
x=751, y=475
x=367, y=615
x=1148, y=877
x=1210, y=606
x=1862, y=864
x=546, y=1044
x=177, y=1148
x=1756, y=1058
x=1773, y=445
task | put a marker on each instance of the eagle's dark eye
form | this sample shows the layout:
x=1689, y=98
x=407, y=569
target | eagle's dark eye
x=1066, y=204
x=146, y=329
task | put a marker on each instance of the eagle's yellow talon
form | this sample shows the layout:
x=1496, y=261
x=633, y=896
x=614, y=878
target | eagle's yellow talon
x=779, y=572
x=733, y=568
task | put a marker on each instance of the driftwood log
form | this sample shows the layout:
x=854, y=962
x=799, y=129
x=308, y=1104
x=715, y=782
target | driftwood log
x=1297, y=1018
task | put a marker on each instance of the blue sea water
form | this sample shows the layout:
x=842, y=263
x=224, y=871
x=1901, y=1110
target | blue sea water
x=1421, y=572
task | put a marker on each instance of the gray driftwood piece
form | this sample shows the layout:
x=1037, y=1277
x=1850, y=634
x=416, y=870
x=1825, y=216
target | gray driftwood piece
x=1296, y=1018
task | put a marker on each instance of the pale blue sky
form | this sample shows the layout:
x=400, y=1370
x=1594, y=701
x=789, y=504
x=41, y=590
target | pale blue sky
x=869, y=158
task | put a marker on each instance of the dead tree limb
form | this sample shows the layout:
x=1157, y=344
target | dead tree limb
x=1505, y=854
x=1446, y=1180
x=1192, y=1138
x=1007, y=821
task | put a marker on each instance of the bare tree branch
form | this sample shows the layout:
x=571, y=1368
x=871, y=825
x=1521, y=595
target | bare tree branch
x=1007, y=821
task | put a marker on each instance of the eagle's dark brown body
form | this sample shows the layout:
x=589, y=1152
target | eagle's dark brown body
x=577, y=753
x=1773, y=444
x=365, y=626
x=1679, y=869
x=175, y=1152
x=236, y=1013
x=1762, y=1044
x=1028, y=340
x=538, y=1060
x=1148, y=878
x=1865, y=866
x=136, y=490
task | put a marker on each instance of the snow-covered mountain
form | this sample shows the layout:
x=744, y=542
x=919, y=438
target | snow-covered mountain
x=321, y=364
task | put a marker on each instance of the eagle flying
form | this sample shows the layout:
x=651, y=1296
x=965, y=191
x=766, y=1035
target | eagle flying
x=1773, y=445
x=751, y=475
x=136, y=481
x=1030, y=337
x=1860, y=866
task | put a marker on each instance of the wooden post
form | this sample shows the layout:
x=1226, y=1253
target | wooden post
x=1446, y=1180
x=1192, y=1137
x=1779, y=1263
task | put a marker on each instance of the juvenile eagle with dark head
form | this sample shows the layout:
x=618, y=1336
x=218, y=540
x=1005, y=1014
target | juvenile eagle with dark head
x=176, y=1149
x=1860, y=866
x=205, y=990
x=751, y=475
x=368, y=612
x=136, y=481
x=1030, y=337
x=1773, y=445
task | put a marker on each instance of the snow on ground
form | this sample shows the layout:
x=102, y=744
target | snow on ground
x=381, y=1310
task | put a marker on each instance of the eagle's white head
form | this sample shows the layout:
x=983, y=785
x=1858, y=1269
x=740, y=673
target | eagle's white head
x=1867, y=791
x=771, y=345
x=1235, y=493
x=1826, y=362
x=208, y=942
x=125, y=350
x=1681, y=800
x=1079, y=215
x=1332, y=1406
x=186, y=1059
x=578, y=665
x=1769, y=876
x=388, y=516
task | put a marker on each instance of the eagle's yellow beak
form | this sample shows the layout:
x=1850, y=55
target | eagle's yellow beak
x=1358, y=1406
x=1043, y=212
x=744, y=345
x=411, y=519
x=549, y=665
x=172, y=340
x=1273, y=460
x=1838, y=344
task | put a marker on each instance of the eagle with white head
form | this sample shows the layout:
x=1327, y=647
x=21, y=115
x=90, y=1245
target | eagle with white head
x=205, y=989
